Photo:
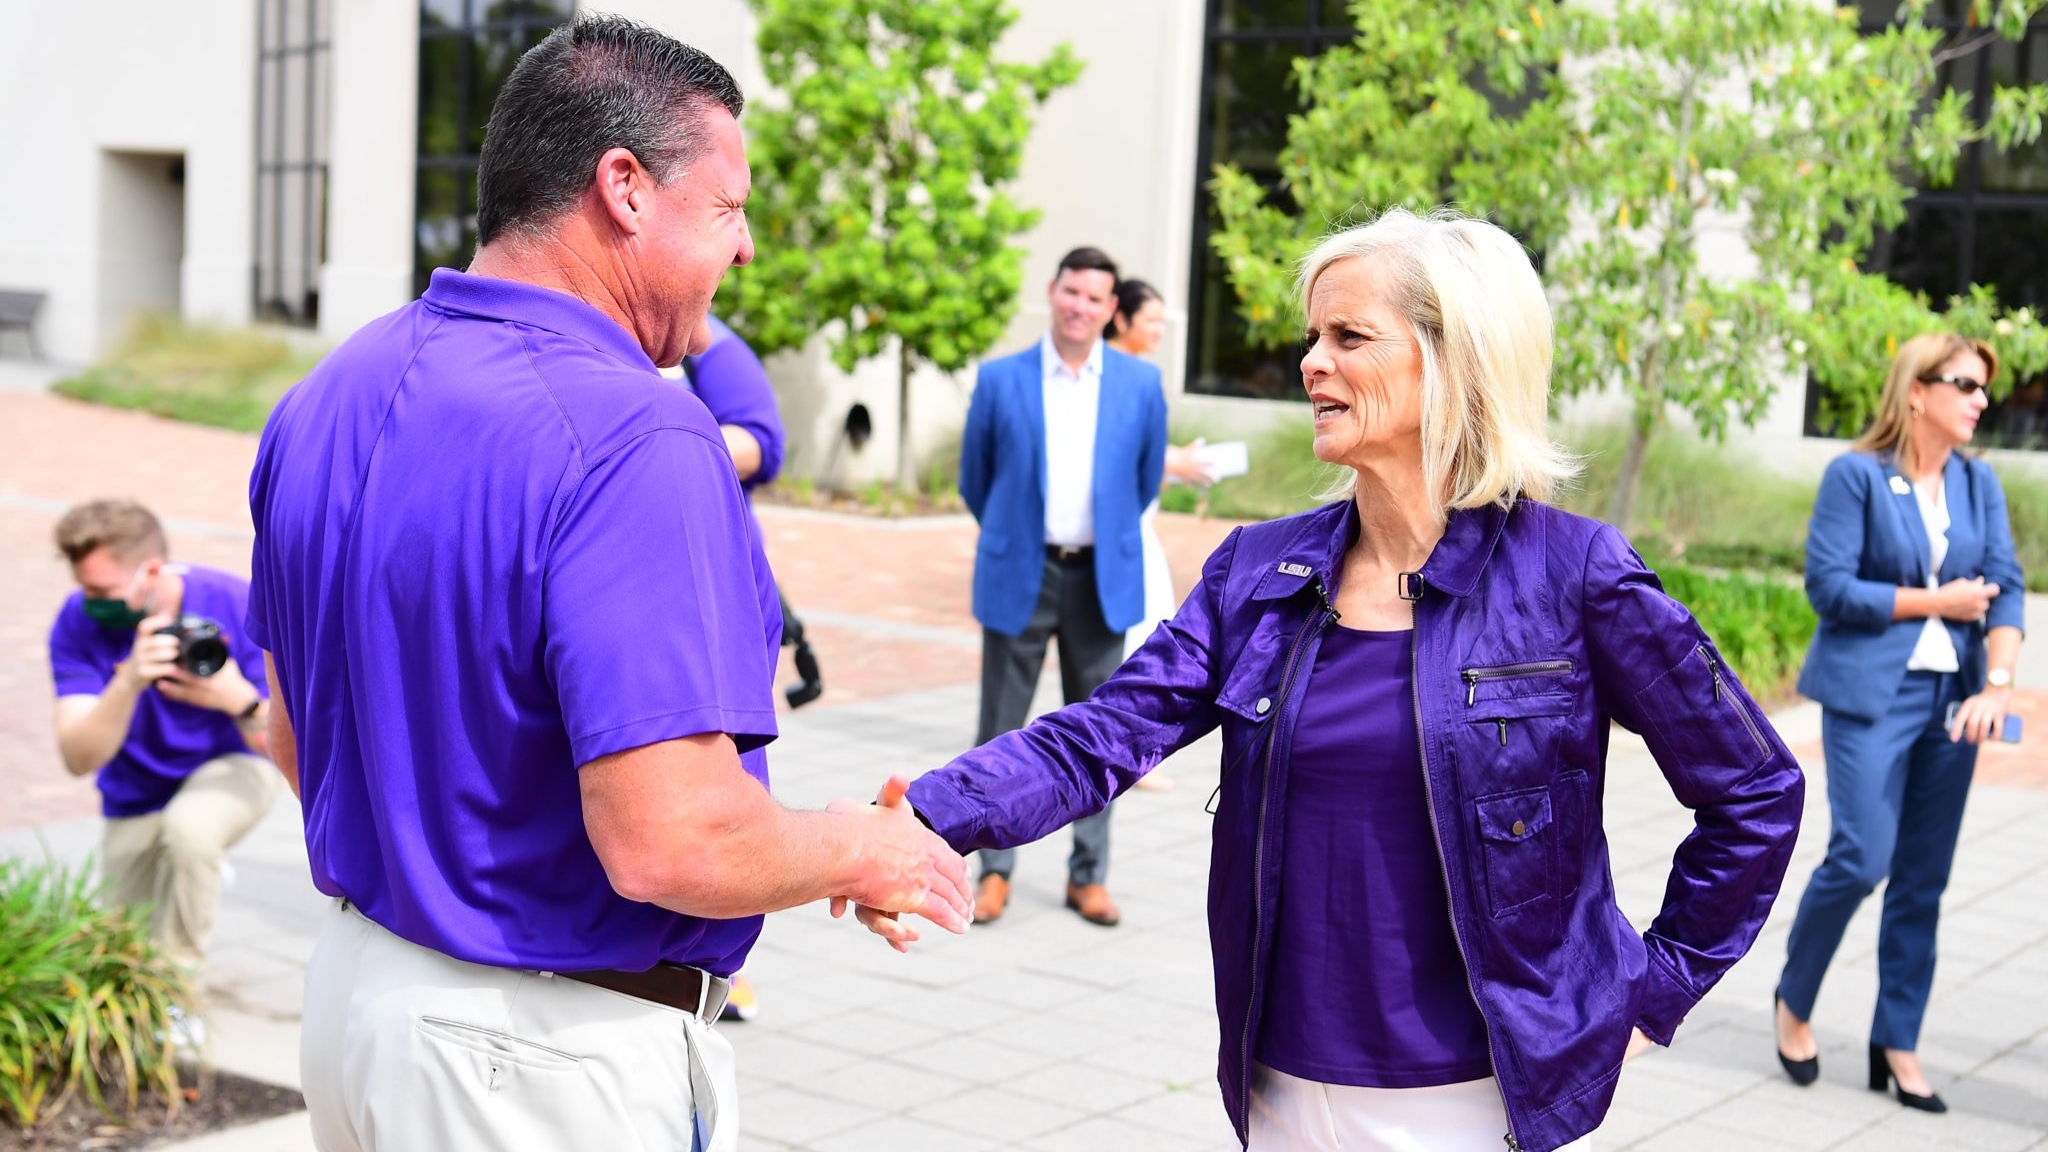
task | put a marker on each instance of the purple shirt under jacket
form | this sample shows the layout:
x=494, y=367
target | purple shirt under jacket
x=1367, y=986
x=167, y=741
x=1536, y=630
x=492, y=545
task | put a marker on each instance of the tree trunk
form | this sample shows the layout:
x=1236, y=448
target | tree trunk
x=906, y=460
x=1621, y=503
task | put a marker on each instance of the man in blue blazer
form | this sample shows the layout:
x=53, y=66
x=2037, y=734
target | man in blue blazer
x=1065, y=445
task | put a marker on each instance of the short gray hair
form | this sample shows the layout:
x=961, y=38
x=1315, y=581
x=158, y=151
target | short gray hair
x=1480, y=316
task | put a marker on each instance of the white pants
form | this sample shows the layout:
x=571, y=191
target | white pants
x=1290, y=1114
x=1160, y=602
x=405, y=1049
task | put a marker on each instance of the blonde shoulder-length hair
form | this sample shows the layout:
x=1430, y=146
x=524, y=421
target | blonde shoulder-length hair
x=1890, y=433
x=1483, y=324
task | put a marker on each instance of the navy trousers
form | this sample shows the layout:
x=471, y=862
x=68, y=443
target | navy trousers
x=1896, y=789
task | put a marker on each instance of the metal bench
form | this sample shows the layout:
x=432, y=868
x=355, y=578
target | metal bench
x=18, y=310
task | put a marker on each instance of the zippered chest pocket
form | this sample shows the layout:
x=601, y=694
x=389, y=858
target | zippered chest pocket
x=1516, y=692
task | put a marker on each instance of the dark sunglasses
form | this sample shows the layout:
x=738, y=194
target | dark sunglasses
x=1962, y=384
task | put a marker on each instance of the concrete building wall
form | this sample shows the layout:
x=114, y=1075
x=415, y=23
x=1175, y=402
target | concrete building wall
x=373, y=146
x=92, y=98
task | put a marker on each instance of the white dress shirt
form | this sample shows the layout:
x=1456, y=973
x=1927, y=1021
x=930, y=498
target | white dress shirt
x=1936, y=649
x=1071, y=403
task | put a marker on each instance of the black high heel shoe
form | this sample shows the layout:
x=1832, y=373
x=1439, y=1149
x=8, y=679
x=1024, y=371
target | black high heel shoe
x=1881, y=1078
x=1803, y=1072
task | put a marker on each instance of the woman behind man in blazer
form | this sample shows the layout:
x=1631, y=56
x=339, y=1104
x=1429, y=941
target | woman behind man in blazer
x=1910, y=566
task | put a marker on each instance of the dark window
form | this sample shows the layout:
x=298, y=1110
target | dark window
x=292, y=84
x=1247, y=94
x=466, y=49
x=1988, y=227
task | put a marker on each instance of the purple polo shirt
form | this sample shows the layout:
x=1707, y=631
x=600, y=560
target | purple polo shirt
x=167, y=741
x=1367, y=986
x=492, y=545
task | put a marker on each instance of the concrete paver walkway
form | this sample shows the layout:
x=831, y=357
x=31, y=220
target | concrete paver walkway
x=1042, y=1032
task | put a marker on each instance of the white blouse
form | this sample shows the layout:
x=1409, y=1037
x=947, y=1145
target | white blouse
x=1935, y=651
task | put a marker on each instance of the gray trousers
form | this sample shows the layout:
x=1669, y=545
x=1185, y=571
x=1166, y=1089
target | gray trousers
x=1068, y=607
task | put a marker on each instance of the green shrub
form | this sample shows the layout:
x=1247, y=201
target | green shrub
x=229, y=378
x=1761, y=624
x=2026, y=505
x=84, y=998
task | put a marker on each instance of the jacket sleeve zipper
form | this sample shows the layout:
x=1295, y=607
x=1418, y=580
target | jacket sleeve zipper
x=1313, y=626
x=1723, y=696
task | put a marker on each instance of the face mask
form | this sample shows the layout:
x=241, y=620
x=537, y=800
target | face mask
x=114, y=614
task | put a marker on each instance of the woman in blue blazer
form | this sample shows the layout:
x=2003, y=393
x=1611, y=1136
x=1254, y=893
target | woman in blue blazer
x=1910, y=566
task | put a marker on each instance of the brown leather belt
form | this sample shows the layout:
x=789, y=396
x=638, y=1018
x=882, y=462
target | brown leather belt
x=693, y=990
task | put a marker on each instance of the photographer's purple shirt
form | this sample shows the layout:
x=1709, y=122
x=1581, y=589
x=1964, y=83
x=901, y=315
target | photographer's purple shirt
x=492, y=545
x=167, y=741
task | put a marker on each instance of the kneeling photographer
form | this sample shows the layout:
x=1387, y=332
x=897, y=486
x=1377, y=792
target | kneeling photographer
x=159, y=695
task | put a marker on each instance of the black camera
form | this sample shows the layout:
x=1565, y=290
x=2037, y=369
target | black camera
x=202, y=650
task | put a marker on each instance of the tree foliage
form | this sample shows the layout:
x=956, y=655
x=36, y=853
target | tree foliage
x=880, y=170
x=1614, y=140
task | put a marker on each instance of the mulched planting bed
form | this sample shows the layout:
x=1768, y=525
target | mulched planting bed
x=215, y=1101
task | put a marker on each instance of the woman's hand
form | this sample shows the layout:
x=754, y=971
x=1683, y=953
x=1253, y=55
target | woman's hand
x=1965, y=601
x=1185, y=464
x=1981, y=716
x=1637, y=1045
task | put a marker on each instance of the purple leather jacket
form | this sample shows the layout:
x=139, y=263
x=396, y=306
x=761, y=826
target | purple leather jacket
x=1534, y=629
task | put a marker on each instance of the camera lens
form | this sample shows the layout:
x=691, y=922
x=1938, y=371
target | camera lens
x=201, y=649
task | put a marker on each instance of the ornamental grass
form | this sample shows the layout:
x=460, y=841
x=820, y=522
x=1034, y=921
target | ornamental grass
x=85, y=999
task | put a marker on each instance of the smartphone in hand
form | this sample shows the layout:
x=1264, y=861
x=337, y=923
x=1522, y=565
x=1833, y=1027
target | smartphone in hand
x=2009, y=733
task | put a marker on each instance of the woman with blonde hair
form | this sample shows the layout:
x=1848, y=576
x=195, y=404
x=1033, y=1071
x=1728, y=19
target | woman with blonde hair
x=1415, y=937
x=1910, y=566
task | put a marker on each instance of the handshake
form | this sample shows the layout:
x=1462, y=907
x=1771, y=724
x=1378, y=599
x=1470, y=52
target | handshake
x=907, y=869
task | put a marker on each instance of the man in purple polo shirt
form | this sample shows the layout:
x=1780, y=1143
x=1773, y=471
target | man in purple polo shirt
x=524, y=636
x=177, y=755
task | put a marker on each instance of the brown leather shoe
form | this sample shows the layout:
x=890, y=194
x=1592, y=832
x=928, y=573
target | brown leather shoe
x=1093, y=903
x=991, y=896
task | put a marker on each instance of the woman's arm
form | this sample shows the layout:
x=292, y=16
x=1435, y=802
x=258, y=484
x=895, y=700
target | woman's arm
x=1657, y=672
x=1834, y=552
x=1071, y=763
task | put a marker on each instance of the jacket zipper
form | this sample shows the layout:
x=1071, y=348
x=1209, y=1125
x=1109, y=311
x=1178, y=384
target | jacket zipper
x=1314, y=625
x=1472, y=676
x=1723, y=696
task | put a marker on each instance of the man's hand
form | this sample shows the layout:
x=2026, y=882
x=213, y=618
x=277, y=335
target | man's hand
x=944, y=898
x=153, y=657
x=225, y=691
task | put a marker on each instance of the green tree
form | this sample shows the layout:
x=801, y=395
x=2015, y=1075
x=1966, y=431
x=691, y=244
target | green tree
x=1613, y=142
x=879, y=210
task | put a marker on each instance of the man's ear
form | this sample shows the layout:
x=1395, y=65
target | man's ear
x=622, y=187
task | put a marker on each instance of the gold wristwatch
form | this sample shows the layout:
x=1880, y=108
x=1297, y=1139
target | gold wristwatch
x=1999, y=678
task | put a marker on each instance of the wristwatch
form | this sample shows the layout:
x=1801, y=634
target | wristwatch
x=1999, y=678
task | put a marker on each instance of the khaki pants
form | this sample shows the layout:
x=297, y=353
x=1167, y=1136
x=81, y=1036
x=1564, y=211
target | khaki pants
x=171, y=858
x=405, y=1049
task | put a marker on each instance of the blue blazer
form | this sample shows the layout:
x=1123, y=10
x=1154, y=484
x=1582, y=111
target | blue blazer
x=1002, y=478
x=1865, y=542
